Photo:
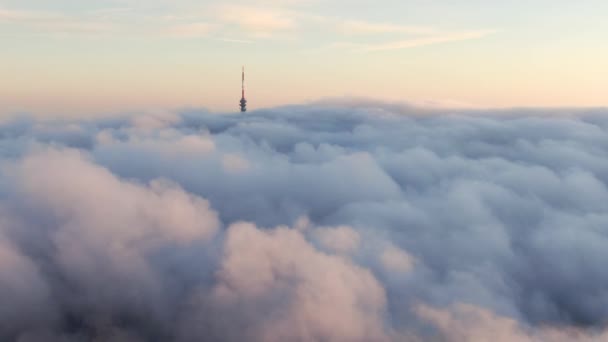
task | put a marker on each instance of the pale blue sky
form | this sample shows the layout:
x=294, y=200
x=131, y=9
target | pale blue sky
x=114, y=55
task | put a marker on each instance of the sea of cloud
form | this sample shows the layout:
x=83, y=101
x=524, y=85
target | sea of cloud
x=335, y=221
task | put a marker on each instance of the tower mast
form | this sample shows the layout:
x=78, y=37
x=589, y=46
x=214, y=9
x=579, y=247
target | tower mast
x=243, y=102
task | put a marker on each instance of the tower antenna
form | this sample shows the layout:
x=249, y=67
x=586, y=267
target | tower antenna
x=243, y=100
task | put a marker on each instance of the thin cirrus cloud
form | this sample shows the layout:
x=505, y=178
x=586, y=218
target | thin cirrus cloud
x=192, y=30
x=237, y=41
x=414, y=35
x=51, y=22
x=261, y=22
x=237, y=24
x=425, y=40
x=355, y=27
x=12, y=15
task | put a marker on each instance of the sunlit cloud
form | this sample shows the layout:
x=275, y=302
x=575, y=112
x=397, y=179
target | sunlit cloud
x=257, y=21
x=53, y=22
x=360, y=221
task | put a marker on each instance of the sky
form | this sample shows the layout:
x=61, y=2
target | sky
x=100, y=56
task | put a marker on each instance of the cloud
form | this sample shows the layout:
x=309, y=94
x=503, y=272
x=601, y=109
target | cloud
x=470, y=323
x=130, y=210
x=244, y=22
x=334, y=221
x=238, y=41
x=24, y=15
x=275, y=274
x=53, y=22
x=235, y=163
x=151, y=121
x=191, y=30
x=424, y=40
x=396, y=260
x=382, y=36
x=434, y=39
x=364, y=27
x=341, y=239
x=84, y=241
x=257, y=21
x=25, y=294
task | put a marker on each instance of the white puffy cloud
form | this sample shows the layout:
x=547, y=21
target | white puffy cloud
x=342, y=239
x=85, y=240
x=394, y=259
x=391, y=223
x=26, y=298
x=235, y=163
x=296, y=292
x=151, y=121
x=81, y=194
x=470, y=323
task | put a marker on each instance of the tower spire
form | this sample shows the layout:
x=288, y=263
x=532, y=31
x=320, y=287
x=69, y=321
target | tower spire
x=243, y=100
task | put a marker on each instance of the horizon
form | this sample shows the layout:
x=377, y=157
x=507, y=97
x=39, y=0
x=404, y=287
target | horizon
x=425, y=108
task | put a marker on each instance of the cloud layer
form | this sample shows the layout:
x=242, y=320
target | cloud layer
x=358, y=221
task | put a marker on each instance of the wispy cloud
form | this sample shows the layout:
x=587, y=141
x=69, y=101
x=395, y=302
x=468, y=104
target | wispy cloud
x=243, y=23
x=363, y=27
x=12, y=15
x=192, y=30
x=257, y=21
x=237, y=41
x=381, y=36
x=53, y=22
x=421, y=41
